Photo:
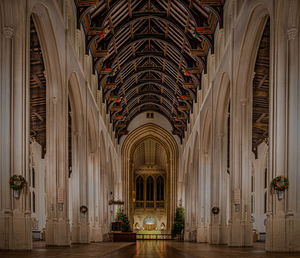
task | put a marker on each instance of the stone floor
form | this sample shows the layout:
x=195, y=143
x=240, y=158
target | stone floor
x=78, y=251
x=150, y=248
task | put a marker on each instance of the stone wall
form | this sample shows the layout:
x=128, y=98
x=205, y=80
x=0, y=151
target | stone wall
x=229, y=80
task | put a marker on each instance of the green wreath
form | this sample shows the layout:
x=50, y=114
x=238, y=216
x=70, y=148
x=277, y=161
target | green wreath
x=83, y=209
x=280, y=183
x=17, y=182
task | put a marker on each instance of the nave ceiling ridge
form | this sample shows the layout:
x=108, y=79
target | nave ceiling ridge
x=149, y=55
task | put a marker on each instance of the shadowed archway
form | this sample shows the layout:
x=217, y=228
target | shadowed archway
x=167, y=142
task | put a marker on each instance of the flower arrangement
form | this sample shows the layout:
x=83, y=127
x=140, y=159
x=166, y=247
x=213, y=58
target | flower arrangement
x=280, y=183
x=17, y=182
x=83, y=209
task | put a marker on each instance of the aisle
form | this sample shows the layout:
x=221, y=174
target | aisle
x=173, y=249
x=149, y=248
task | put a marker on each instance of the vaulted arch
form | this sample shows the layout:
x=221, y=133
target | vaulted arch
x=169, y=145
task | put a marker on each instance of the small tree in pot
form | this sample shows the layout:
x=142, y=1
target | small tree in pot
x=178, y=225
x=122, y=217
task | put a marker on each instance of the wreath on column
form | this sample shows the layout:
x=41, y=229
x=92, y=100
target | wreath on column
x=280, y=183
x=83, y=209
x=17, y=182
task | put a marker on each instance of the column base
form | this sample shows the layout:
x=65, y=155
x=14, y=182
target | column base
x=80, y=233
x=202, y=234
x=15, y=231
x=191, y=235
x=57, y=233
x=92, y=232
x=240, y=234
x=283, y=233
x=186, y=235
x=98, y=234
x=218, y=234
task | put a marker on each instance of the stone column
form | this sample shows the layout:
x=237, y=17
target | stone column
x=187, y=205
x=91, y=196
x=15, y=222
x=172, y=198
x=240, y=225
x=283, y=218
x=57, y=223
x=193, y=197
x=199, y=198
x=96, y=198
x=217, y=186
x=202, y=230
x=75, y=185
x=223, y=192
x=84, y=236
x=101, y=197
x=293, y=205
x=80, y=229
x=6, y=236
x=208, y=192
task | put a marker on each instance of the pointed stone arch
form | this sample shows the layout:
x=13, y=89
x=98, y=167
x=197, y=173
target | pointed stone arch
x=57, y=224
x=241, y=110
x=168, y=142
x=221, y=168
x=92, y=131
x=223, y=99
x=76, y=102
x=246, y=61
x=195, y=180
x=206, y=132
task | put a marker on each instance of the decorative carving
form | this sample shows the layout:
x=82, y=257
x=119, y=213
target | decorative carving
x=292, y=33
x=34, y=224
x=37, y=11
x=8, y=32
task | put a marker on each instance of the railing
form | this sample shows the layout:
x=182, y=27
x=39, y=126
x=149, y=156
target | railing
x=154, y=237
x=160, y=204
x=150, y=204
x=139, y=204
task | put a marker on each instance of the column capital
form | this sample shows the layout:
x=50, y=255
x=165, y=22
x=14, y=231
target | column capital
x=37, y=11
x=8, y=32
x=291, y=33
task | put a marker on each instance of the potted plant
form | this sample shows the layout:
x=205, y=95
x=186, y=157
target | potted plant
x=126, y=234
x=178, y=225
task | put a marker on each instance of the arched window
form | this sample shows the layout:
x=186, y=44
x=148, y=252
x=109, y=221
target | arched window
x=228, y=140
x=150, y=184
x=33, y=178
x=33, y=202
x=160, y=189
x=139, y=189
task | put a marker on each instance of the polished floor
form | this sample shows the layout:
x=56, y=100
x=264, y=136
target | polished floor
x=147, y=249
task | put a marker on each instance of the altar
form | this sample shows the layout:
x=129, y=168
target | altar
x=150, y=227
